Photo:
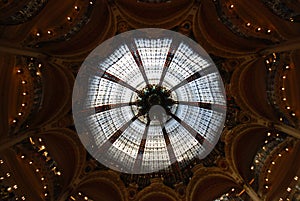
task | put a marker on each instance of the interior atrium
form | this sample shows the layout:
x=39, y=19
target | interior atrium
x=255, y=46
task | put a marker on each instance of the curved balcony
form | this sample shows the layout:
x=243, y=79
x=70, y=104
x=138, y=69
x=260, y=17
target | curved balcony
x=278, y=66
x=75, y=21
x=35, y=95
x=211, y=20
x=57, y=34
x=44, y=165
x=32, y=87
x=229, y=16
x=274, y=167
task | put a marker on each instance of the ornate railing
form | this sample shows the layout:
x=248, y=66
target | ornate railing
x=29, y=11
x=280, y=8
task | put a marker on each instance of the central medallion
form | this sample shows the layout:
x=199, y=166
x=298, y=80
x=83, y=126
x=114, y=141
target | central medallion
x=154, y=102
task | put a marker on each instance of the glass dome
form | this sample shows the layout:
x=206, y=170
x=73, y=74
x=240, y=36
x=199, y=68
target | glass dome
x=148, y=99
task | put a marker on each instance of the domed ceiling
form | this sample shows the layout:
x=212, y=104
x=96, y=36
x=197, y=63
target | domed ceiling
x=255, y=47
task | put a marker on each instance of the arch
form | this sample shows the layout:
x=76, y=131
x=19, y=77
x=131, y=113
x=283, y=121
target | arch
x=102, y=186
x=210, y=184
x=157, y=191
x=141, y=14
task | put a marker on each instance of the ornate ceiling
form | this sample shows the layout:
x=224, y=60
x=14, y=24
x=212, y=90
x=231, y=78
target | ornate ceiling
x=256, y=47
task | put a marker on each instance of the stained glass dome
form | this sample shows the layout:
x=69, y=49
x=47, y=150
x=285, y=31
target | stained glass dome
x=148, y=99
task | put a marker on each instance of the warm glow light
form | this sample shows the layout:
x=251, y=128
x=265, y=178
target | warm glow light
x=267, y=179
x=38, y=73
x=286, y=149
x=268, y=31
x=22, y=156
x=252, y=167
x=288, y=189
x=293, y=114
x=20, y=113
x=45, y=187
x=266, y=187
x=282, y=88
x=69, y=18
x=296, y=178
x=30, y=162
x=42, y=178
x=85, y=198
x=284, y=99
x=258, y=29
x=231, y=6
x=269, y=171
x=287, y=67
x=283, y=77
x=38, y=34
x=24, y=93
x=23, y=104
x=8, y=174
x=269, y=134
x=288, y=107
x=9, y=189
x=14, y=121
x=49, y=32
x=15, y=186
x=279, y=155
x=273, y=163
x=37, y=170
x=248, y=24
